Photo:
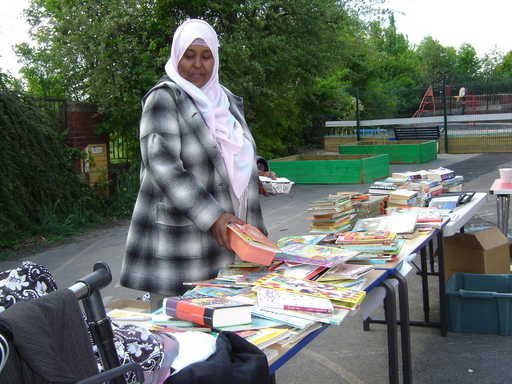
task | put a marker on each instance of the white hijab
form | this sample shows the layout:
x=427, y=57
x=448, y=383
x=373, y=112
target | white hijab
x=213, y=103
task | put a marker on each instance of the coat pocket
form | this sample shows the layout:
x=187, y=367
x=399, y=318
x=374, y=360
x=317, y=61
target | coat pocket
x=178, y=238
x=170, y=216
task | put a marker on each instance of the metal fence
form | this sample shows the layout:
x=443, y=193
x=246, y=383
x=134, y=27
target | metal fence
x=457, y=99
x=57, y=112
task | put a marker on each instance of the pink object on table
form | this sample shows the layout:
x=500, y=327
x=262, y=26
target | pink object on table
x=501, y=188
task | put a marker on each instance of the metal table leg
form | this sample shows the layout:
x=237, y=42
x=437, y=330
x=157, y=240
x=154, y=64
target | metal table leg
x=506, y=209
x=405, y=331
x=424, y=284
x=431, y=256
x=502, y=212
x=390, y=315
x=442, y=295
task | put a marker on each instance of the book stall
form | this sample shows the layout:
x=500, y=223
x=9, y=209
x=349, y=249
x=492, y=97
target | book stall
x=281, y=295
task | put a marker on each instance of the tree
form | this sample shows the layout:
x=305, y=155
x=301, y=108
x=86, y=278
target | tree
x=468, y=65
x=436, y=62
x=503, y=70
x=489, y=63
x=111, y=52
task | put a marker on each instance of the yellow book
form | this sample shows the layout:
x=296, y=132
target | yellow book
x=267, y=336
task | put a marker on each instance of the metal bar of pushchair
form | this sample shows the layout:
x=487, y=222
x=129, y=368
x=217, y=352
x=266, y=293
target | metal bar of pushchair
x=87, y=289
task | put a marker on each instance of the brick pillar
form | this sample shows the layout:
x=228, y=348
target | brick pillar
x=81, y=120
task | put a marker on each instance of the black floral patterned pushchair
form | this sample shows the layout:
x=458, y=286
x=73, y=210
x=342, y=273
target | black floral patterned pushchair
x=29, y=284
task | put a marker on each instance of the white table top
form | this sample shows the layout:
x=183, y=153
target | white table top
x=463, y=213
x=500, y=188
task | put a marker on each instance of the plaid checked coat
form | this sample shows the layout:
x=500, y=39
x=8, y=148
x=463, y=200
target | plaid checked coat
x=184, y=189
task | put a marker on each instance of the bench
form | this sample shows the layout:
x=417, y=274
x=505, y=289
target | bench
x=417, y=133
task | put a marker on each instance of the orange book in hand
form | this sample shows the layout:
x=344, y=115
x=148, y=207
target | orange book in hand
x=250, y=244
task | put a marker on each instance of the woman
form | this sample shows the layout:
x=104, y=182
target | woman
x=198, y=171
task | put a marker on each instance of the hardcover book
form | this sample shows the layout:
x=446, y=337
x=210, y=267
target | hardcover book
x=209, y=311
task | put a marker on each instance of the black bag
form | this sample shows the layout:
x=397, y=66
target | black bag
x=234, y=361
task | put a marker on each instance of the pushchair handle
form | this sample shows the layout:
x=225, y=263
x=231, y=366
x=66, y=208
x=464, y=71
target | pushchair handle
x=98, y=279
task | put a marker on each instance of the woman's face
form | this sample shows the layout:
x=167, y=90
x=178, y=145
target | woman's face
x=196, y=65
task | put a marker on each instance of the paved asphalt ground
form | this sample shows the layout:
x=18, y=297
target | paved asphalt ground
x=344, y=354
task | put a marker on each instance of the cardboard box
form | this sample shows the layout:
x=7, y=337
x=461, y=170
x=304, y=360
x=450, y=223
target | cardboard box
x=484, y=252
x=130, y=305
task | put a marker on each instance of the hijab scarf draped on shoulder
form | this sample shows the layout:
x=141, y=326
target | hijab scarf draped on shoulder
x=213, y=103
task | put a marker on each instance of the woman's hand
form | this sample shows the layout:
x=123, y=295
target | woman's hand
x=220, y=229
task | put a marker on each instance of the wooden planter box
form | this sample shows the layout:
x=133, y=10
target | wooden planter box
x=331, y=169
x=403, y=151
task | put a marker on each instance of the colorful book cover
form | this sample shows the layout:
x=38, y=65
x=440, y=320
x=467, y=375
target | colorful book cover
x=267, y=336
x=275, y=298
x=208, y=291
x=345, y=296
x=321, y=255
x=300, y=271
x=380, y=237
x=345, y=271
x=250, y=244
x=305, y=239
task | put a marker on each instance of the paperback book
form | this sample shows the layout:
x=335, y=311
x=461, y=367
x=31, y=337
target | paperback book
x=344, y=297
x=406, y=223
x=269, y=298
x=361, y=237
x=345, y=271
x=320, y=255
x=250, y=244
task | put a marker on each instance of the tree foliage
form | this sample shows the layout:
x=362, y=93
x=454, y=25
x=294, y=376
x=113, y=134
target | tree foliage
x=35, y=170
x=296, y=63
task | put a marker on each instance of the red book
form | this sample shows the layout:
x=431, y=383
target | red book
x=251, y=245
x=209, y=311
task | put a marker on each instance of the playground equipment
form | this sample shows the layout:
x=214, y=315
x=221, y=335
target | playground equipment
x=427, y=103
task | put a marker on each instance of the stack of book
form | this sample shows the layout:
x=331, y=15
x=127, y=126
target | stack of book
x=402, y=224
x=331, y=215
x=397, y=182
x=374, y=206
x=402, y=197
x=346, y=275
x=357, y=199
x=319, y=255
x=454, y=184
x=408, y=176
x=308, y=294
x=425, y=217
x=361, y=238
x=426, y=188
x=381, y=188
x=373, y=247
x=440, y=174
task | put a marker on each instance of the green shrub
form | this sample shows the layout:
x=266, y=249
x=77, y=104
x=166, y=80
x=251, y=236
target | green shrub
x=36, y=177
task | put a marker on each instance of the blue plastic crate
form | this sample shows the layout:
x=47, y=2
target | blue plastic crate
x=480, y=303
